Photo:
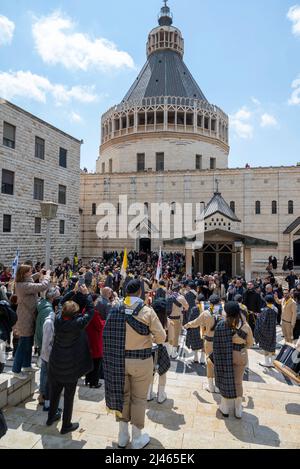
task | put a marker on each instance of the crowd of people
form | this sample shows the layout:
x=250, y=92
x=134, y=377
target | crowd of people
x=87, y=320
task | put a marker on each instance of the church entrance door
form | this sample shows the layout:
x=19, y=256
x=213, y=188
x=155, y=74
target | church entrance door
x=297, y=253
x=145, y=245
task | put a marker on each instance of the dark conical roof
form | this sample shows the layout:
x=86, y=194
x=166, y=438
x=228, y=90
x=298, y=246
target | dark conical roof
x=164, y=74
x=219, y=205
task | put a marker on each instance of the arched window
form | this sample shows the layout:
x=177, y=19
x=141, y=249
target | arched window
x=291, y=207
x=232, y=206
x=257, y=208
x=173, y=208
x=146, y=205
x=94, y=209
x=274, y=207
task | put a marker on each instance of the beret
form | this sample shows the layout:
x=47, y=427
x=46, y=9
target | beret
x=133, y=287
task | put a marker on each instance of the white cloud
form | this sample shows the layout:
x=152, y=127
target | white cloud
x=294, y=16
x=239, y=123
x=38, y=88
x=58, y=43
x=295, y=97
x=255, y=101
x=75, y=117
x=267, y=120
x=7, y=28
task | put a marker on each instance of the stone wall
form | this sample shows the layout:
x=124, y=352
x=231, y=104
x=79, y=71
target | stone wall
x=21, y=205
x=180, y=152
x=243, y=186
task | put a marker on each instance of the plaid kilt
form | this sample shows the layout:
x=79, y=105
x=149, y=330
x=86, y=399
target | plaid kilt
x=193, y=337
x=223, y=360
x=114, y=336
x=265, y=329
x=163, y=360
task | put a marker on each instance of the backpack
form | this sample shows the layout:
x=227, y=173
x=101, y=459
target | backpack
x=170, y=302
x=298, y=311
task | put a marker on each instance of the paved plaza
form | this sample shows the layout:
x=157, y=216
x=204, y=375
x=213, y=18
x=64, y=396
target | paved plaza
x=188, y=420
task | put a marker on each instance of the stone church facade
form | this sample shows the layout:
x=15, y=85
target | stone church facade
x=38, y=163
x=166, y=143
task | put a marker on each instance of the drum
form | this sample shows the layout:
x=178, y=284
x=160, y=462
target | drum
x=288, y=362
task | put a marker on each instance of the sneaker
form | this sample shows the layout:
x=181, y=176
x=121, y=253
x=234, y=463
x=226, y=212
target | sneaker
x=20, y=376
x=72, y=428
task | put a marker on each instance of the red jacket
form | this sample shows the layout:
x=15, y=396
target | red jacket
x=95, y=335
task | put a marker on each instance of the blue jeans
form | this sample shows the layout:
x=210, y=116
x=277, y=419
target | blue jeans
x=23, y=354
x=44, y=387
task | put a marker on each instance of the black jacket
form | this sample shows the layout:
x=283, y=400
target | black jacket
x=8, y=318
x=253, y=301
x=70, y=357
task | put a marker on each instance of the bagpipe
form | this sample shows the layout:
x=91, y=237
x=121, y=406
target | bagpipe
x=288, y=362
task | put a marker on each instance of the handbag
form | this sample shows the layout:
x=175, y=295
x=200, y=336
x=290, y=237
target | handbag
x=3, y=425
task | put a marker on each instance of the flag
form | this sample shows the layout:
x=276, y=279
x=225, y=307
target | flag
x=125, y=264
x=15, y=264
x=159, y=266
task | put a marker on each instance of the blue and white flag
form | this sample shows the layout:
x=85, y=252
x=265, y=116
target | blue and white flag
x=15, y=264
x=159, y=267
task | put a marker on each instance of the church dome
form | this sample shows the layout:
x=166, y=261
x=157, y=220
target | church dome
x=164, y=101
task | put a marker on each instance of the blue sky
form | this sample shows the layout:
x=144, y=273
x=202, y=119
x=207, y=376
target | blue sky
x=57, y=61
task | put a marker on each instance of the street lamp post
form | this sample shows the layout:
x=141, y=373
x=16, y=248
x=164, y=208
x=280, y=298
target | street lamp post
x=49, y=211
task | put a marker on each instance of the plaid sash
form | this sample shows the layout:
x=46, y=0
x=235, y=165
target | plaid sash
x=265, y=329
x=114, y=337
x=163, y=360
x=223, y=360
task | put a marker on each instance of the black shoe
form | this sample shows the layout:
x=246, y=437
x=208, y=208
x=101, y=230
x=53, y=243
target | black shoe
x=2, y=366
x=54, y=419
x=8, y=349
x=95, y=386
x=72, y=428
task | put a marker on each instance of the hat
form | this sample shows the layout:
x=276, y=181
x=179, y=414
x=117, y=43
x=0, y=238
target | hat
x=159, y=305
x=201, y=297
x=238, y=298
x=133, y=287
x=176, y=286
x=232, y=308
x=269, y=299
x=214, y=299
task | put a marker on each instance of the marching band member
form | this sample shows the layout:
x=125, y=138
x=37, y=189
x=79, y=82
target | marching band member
x=208, y=321
x=161, y=357
x=128, y=364
x=265, y=331
x=232, y=337
x=194, y=340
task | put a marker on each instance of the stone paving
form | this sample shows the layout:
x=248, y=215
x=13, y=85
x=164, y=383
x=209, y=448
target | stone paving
x=188, y=419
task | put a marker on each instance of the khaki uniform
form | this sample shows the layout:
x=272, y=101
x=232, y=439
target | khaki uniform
x=176, y=317
x=288, y=319
x=139, y=373
x=240, y=359
x=206, y=321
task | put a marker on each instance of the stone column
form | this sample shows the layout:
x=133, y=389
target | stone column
x=248, y=263
x=188, y=258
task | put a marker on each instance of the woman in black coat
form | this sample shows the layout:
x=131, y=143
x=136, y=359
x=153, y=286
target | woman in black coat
x=70, y=357
x=8, y=318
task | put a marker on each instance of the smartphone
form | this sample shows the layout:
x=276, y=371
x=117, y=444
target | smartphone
x=81, y=280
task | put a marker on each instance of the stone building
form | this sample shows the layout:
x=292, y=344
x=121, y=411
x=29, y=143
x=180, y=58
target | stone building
x=166, y=143
x=38, y=162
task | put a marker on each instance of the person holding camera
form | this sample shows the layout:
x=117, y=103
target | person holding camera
x=27, y=292
x=70, y=356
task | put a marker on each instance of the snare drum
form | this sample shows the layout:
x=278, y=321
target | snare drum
x=288, y=362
